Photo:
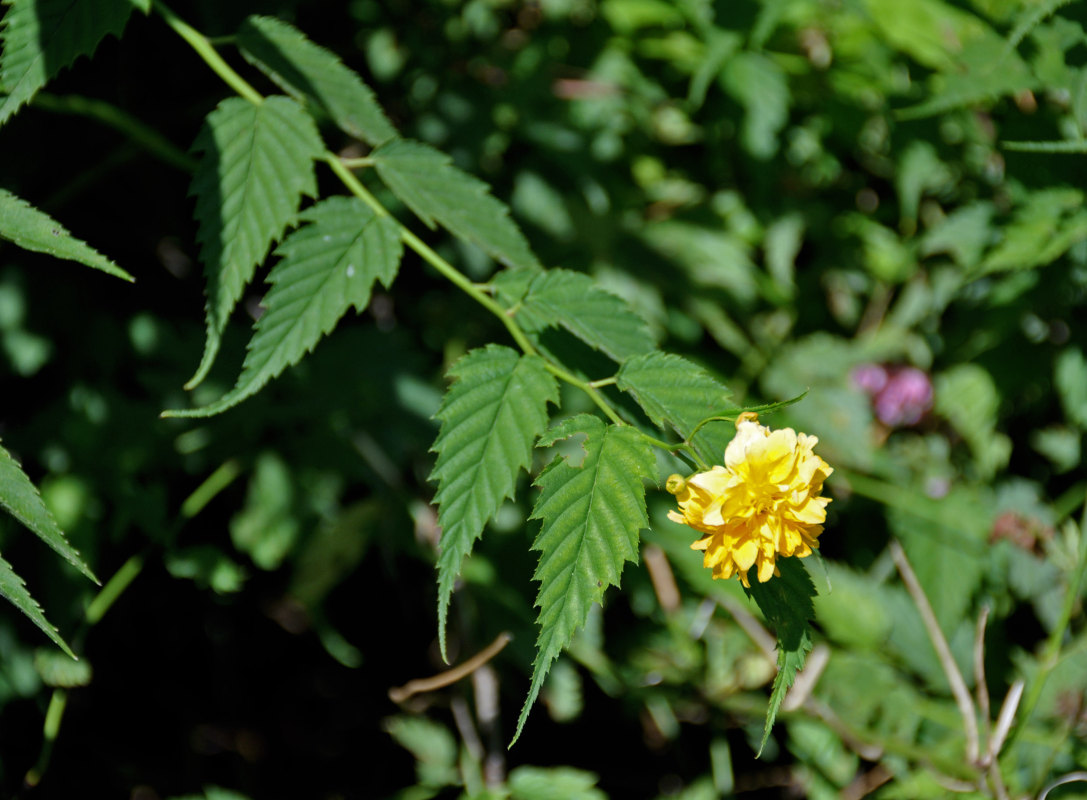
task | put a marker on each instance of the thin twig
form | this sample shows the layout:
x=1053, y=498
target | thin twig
x=1004, y=720
x=982, y=688
x=1071, y=777
x=398, y=694
x=660, y=573
x=943, y=652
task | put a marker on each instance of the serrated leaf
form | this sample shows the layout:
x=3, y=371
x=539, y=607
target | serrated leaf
x=573, y=300
x=13, y=588
x=257, y=163
x=312, y=74
x=35, y=230
x=786, y=602
x=21, y=499
x=436, y=191
x=42, y=37
x=672, y=390
x=591, y=517
x=328, y=266
x=491, y=416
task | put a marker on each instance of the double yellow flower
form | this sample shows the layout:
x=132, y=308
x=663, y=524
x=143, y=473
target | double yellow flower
x=764, y=502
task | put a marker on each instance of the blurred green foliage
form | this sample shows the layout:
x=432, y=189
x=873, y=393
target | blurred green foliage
x=787, y=190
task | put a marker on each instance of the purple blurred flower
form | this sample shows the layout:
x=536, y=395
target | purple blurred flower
x=869, y=377
x=900, y=395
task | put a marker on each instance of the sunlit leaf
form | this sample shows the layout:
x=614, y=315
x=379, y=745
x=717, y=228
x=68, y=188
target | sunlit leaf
x=428, y=183
x=312, y=74
x=572, y=300
x=672, y=391
x=327, y=267
x=20, y=498
x=491, y=416
x=35, y=230
x=591, y=517
x=257, y=163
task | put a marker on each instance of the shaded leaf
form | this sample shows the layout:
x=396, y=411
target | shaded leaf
x=673, y=391
x=491, y=416
x=572, y=300
x=41, y=37
x=312, y=74
x=35, y=230
x=428, y=183
x=21, y=499
x=328, y=266
x=591, y=517
x=13, y=588
x=786, y=602
x=257, y=163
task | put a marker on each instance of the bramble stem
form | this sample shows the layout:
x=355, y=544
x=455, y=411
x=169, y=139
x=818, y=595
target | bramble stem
x=206, y=51
x=342, y=168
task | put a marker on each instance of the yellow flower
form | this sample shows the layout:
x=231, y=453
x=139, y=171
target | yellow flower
x=764, y=502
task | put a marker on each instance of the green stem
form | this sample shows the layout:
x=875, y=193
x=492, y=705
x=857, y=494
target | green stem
x=206, y=51
x=448, y=271
x=53, y=715
x=113, y=589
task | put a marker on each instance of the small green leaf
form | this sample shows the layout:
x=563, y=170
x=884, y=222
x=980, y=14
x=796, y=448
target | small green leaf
x=672, y=390
x=257, y=163
x=13, y=588
x=591, y=517
x=312, y=74
x=428, y=183
x=572, y=300
x=786, y=602
x=35, y=230
x=39, y=38
x=61, y=671
x=433, y=746
x=328, y=266
x=1070, y=376
x=491, y=416
x=21, y=499
x=553, y=783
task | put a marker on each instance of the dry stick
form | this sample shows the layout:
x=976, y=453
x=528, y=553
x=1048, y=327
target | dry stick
x=660, y=573
x=943, y=652
x=979, y=674
x=398, y=694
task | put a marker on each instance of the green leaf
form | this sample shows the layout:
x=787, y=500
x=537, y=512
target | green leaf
x=1070, y=376
x=59, y=670
x=257, y=164
x=760, y=86
x=312, y=74
x=42, y=37
x=491, y=416
x=19, y=497
x=786, y=602
x=1044, y=228
x=572, y=300
x=35, y=230
x=433, y=746
x=553, y=783
x=428, y=183
x=328, y=266
x=672, y=390
x=591, y=516
x=13, y=588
